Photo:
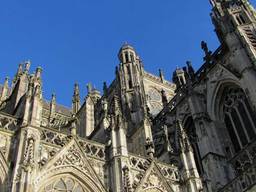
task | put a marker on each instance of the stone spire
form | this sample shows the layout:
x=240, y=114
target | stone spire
x=5, y=90
x=33, y=104
x=184, y=143
x=18, y=74
x=76, y=99
x=189, y=173
x=161, y=75
x=105, y=88
x=52, y=108
x=190, y=70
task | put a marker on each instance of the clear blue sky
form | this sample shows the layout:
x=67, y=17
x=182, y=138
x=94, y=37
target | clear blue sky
x=78, y=40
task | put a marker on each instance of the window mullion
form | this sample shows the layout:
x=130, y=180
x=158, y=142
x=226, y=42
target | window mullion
x=234, y=127
x=249, y=115
x=242, y=122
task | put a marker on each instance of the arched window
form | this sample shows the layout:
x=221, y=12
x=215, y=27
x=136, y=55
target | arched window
x=238, y=117
x=126, y=57
x=64, y=184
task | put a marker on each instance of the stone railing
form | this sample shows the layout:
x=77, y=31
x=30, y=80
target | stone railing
x=244, y=164
x=245, y=158
x=93, y=149
x=169, y=171
x=142, y=164
x=8, y=122
x=54, y=137
x=139, y=163
x=243, y=182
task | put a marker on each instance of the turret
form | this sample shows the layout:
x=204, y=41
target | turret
x=179, y=78
x=129, y=74
x=127, y=54
x=130, y=67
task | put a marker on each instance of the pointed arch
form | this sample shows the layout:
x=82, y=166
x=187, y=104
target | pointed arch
x=81, y=180
x=70, y=162
x=154, y=181
x=232, y=108
x=216, y=96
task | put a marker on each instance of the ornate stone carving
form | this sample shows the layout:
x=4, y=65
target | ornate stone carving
x=72, y=157
x=3, y=143
x=28, y=159
x=93, y=150
x=54, y=137
x=154, y=183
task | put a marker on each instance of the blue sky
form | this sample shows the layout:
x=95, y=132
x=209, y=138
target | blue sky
x=78, y=40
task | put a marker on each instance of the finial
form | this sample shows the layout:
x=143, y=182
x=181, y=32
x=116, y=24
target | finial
x=189, y=63
x=19, y=69
x=76, y=89
x=105, y=88
x=89, y=88
x=116, y=70
x=150, y=147
x=53, y=100
x=4, y=93
x=6, y=81
x=190, y=70
x=184, y=140
x=39, y=72
x=208, y=53
x=27, y=65
x=76, y=99
x=161, y=75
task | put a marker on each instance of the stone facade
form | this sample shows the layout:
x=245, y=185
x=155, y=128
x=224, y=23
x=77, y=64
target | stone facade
x=143, y=133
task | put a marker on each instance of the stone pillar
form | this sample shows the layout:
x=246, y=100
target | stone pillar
x=26, y=166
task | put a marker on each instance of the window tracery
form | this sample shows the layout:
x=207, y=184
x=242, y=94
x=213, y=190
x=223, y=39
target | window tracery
x=238, y=118
x=64, y=184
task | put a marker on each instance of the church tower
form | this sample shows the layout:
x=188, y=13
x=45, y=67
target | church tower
x=235, y=25
x=129, y=74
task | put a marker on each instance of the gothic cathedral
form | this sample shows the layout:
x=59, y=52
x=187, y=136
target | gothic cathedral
x=142, y=133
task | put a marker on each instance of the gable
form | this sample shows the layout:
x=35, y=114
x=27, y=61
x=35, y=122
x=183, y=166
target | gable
x=153, y=181
x=71, y=160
